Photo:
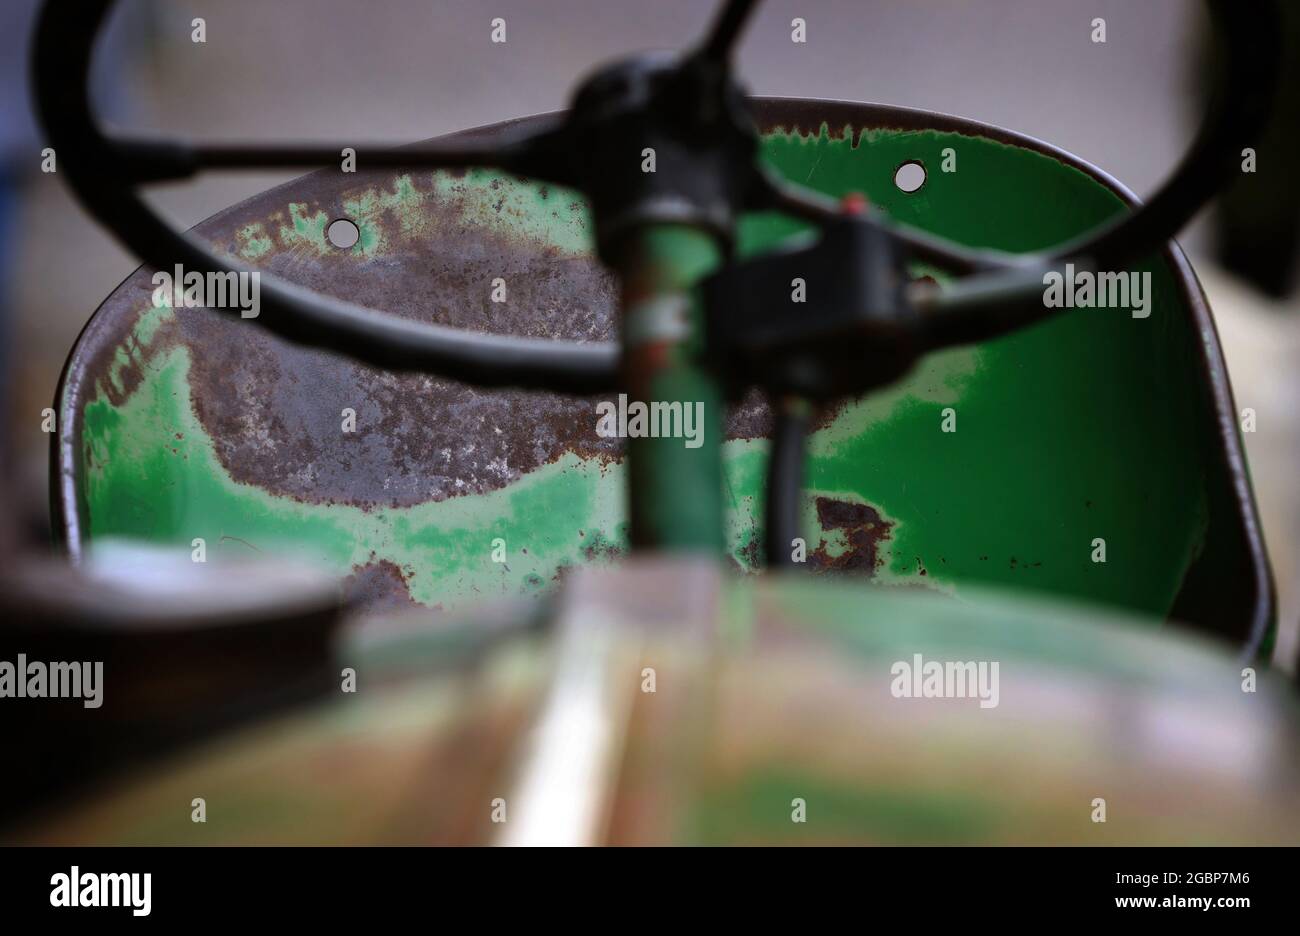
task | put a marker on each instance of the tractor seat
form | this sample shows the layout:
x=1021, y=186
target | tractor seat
x=1094, y=456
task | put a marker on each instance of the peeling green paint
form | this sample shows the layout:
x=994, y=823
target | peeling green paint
x=252, y=242
x=305, y=231
x=550, y=214
x=156, y=475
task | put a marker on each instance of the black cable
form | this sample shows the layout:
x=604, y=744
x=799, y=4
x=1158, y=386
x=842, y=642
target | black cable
x=792, y=418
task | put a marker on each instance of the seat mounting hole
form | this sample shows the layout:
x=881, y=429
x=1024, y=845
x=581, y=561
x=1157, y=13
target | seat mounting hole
x=910, y=176
x=343, y=233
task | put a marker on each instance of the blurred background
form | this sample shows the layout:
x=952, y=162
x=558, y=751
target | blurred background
x=403, y=70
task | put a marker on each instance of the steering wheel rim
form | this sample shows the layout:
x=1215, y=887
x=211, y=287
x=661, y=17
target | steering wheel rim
x=104, y=174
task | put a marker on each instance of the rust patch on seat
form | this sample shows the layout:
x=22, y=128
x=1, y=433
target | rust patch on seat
x=379, y=586
x=863, y=530
x=275, y=412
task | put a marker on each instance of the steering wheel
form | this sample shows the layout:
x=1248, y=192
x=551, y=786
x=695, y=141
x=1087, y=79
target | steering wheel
x=692, y=110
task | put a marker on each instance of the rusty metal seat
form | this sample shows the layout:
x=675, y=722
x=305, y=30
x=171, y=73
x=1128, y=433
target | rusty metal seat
x=1095, y=427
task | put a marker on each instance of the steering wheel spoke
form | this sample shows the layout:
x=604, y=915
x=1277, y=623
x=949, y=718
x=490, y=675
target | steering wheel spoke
x=726, y=29
x=143, y=160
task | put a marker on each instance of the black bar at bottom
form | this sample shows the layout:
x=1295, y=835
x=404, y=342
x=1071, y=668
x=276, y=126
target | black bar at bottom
x=338, y=885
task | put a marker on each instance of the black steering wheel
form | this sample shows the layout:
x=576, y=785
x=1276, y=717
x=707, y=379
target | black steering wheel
x=691, y=106
x=719, y=177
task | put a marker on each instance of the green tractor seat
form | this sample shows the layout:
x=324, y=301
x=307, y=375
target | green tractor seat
x=1095, y=456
